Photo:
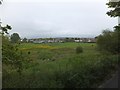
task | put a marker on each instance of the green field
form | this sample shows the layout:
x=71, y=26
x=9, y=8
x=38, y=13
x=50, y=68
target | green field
x=56, y=65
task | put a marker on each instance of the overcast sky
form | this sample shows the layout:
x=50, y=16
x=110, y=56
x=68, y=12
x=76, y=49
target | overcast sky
x=56, y=18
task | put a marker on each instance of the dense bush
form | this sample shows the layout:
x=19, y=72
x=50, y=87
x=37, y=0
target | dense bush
x=108, y=41
x=11, y=55
x=79, y=49
x=90, y=74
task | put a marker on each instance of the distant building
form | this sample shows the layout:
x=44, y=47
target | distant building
x=61, y=40
x=77, y=40
x=84, y=40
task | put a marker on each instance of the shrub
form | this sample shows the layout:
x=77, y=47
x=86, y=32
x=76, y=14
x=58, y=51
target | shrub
x=79, y=49
x=11, y=55
x=108, y=41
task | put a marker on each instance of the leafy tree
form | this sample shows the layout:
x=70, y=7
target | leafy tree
x=107, y=41
x=10, y=53
x=24, y=40
x=4, y=29
x=15, y=38
x=116, y=11
x=1, y=1
x=69, y=39
x=110, y=40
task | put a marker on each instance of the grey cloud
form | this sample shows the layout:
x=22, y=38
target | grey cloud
x=57, y=19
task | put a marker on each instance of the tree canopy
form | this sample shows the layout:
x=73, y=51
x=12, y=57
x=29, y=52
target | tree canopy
x=15, y=38
x=24, y=40
x=116, y=11
x=1, y=1
x=109, y=40
x=5, y=29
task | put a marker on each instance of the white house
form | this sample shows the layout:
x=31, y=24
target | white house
x=77, y=40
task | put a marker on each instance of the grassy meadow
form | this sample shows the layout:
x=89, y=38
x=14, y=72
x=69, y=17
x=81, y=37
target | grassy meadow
x=57, y=65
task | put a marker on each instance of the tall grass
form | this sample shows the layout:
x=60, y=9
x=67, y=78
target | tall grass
x=67, y=70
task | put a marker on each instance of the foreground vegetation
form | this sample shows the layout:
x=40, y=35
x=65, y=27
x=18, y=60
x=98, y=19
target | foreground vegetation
x=57, y=65
x=60, y=65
